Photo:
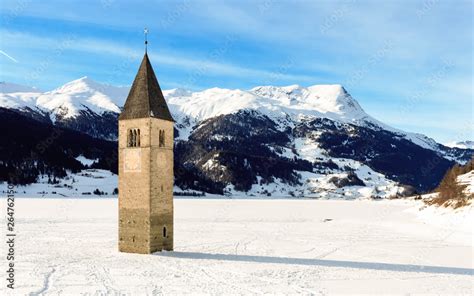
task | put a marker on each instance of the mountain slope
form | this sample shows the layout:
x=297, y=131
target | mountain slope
x=267, y=140
x=31, y=148
x=82, y=105
x=77, y=103
x=248, y=148
x=81, y=94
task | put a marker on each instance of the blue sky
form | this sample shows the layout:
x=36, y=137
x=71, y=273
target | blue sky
x=408, y=63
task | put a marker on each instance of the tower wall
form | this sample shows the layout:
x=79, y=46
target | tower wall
x=145, y=167
x=146, y=187
x=162, y=176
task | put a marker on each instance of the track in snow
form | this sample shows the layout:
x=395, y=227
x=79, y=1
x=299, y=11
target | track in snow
x=245, y=247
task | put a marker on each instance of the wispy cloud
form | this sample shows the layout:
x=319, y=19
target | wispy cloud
x=276, y=42
x=183, y=61
x=8, y=56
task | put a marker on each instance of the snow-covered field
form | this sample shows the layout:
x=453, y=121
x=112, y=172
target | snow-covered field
x=86, y=182
x=240, y=246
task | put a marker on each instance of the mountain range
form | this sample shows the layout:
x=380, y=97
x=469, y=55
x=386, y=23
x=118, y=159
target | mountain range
x=268, y=140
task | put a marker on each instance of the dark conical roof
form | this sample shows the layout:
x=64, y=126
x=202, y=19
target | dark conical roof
x=145, y=98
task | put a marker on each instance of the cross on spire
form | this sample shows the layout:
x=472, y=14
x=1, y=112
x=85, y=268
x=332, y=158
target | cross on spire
x=146, y=38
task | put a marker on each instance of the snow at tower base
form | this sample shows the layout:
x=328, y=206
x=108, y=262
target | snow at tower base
x=247, y=246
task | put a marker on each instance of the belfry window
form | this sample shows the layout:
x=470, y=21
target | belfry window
x=133, y=138
x=129, y=138
x=161, y=138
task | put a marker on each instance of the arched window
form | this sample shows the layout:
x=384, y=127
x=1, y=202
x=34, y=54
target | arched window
x=161, y=138
x=133, y=138
x=130, y=138
x=134, y=142
x=164, y=231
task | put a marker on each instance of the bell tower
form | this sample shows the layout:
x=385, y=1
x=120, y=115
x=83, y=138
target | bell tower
x=145, y=167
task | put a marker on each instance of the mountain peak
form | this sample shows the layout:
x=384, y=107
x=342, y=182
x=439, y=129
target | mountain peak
x=80, y=84
x=83, y=94
x=326, y=100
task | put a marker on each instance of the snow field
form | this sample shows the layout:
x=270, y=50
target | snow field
x=69, y=246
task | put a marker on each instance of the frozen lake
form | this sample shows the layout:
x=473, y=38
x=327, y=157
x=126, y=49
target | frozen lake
x=69, y=246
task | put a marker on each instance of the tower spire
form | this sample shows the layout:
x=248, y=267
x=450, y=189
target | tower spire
x=146, y=38
x=145, y=98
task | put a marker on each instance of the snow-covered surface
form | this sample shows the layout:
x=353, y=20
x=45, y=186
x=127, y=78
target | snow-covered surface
x=286, y=105
x=467, y=179
x=69, y=247
x=80, y=94
x=15, y=96
x=330, y=101
x=188, y=108
x=85, y=161
x=319, y=185
x=447, y=218
x=314, y=185
x=67, y=100
x=82, y=184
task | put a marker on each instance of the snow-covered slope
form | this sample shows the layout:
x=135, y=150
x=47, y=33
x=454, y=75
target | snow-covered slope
x=321, y=140
x=467, y=179
x=81, y=94
x=289, y=102
x=285, y=104
x=15, y=96
x=329, y=101
x=67, y=100
x=82, y=105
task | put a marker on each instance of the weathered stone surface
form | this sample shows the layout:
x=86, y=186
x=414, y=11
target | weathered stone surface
x=146, y=178
x=146, y=194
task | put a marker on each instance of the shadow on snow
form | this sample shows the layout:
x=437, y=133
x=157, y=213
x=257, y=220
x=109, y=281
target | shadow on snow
x=320, y=262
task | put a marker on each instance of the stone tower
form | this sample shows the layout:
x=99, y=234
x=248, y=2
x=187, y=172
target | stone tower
x=145, y=167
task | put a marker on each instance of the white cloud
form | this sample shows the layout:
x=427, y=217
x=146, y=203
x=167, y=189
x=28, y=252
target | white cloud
x=208, y=65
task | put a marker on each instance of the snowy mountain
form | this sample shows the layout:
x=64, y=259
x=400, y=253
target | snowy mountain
x=86, y=106
x=15, y=96
x=82, y=94
x=83, y=105
x=330, y=101
x=77, y=102
x=268, y=140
